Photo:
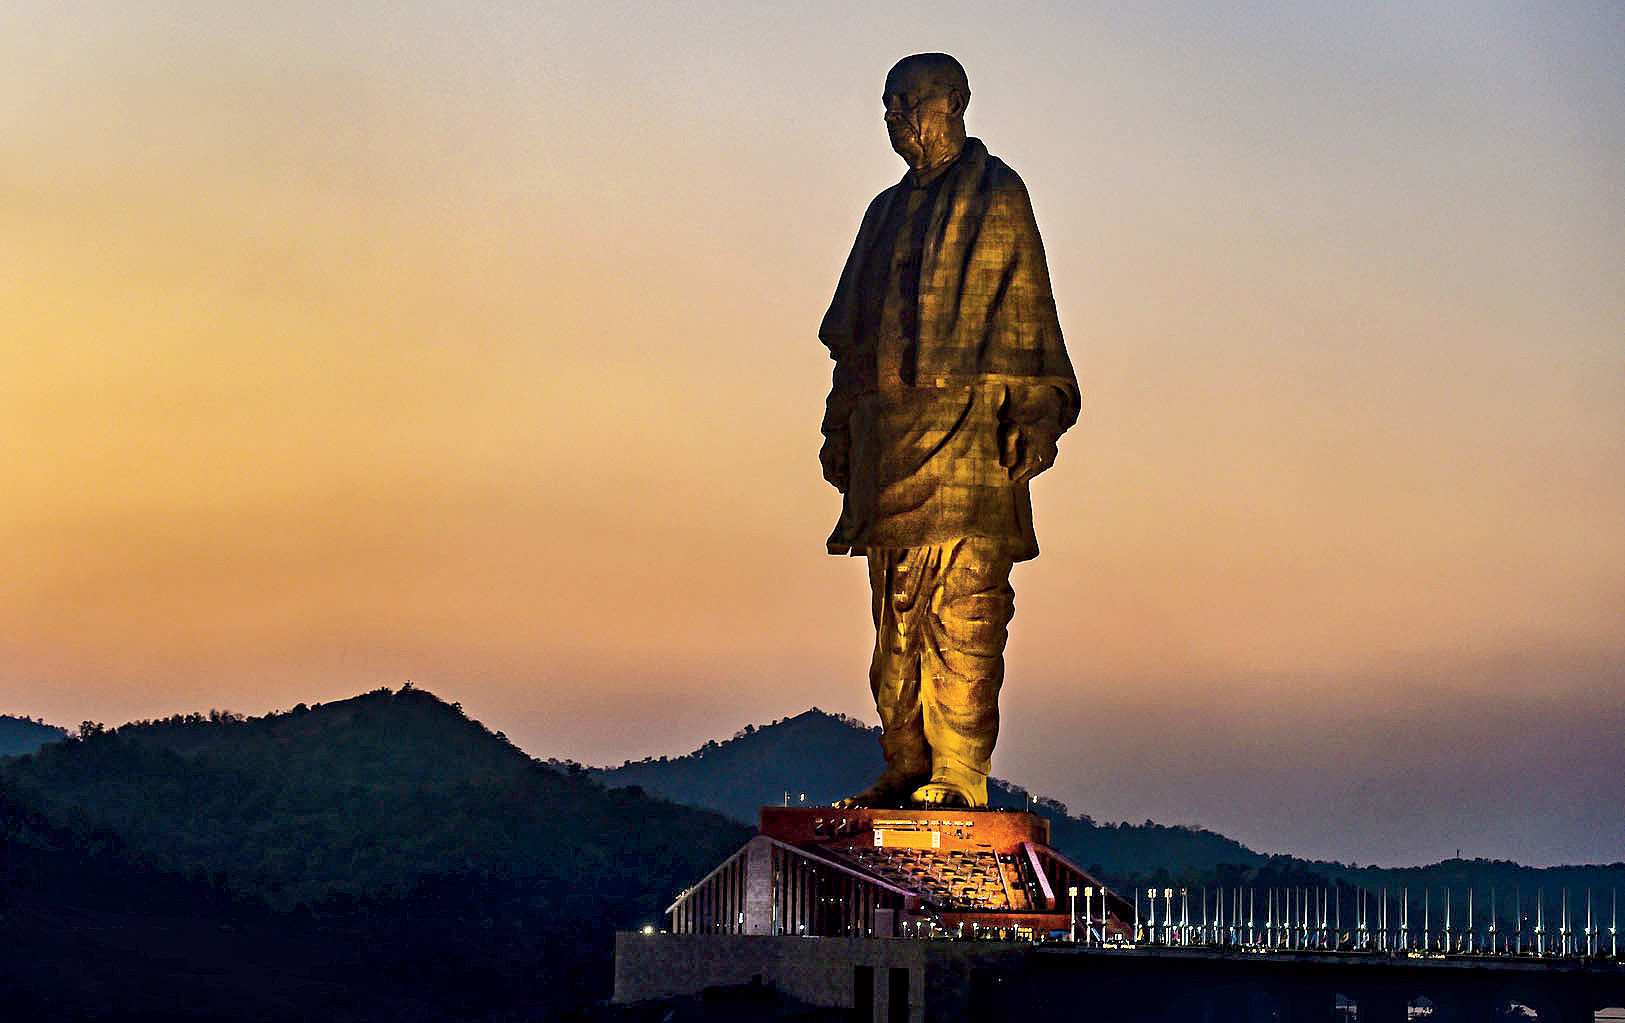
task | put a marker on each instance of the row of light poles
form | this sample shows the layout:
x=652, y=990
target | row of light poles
x=1088, y=891
x=1308, y=918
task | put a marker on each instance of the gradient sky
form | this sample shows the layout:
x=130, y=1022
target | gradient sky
x=343, y=344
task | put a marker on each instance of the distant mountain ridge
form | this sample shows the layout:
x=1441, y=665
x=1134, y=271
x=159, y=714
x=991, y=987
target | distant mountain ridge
x=25, y=735
x=828, y=756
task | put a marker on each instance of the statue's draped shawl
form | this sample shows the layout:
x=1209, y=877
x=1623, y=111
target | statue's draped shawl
x=985, y=307
x=925, y=461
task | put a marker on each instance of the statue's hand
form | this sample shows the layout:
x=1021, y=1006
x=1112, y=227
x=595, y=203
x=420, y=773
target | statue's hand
x=1024, y=451
x=836, y=458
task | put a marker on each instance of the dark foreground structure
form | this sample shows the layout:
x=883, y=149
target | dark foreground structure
x=912, y=981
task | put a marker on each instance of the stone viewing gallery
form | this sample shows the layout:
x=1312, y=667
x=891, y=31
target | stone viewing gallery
x=826, y=871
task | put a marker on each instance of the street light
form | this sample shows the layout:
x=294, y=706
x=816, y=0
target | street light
x=1072, y=892
x=1088, y=896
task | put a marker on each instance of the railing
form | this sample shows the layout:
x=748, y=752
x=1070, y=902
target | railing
x=1433, y=923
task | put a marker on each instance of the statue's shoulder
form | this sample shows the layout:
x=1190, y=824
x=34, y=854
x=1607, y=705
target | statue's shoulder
x=877, y=207
x=879, y=201
x=998, y=180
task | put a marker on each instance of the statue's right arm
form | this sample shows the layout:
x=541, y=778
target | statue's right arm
x=836, y=454
x=836, y=334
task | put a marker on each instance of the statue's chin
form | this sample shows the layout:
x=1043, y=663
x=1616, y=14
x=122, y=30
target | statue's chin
x=909, y=149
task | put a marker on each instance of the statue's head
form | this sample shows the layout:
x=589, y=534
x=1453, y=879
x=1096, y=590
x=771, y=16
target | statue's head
x=925, y=98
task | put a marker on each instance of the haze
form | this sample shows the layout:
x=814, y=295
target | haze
x=474, y=345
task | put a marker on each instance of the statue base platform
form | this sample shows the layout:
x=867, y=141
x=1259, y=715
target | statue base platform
x=830, y=872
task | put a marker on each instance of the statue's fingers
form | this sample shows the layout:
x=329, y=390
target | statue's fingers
x=1032, y=467
x=1010, y=450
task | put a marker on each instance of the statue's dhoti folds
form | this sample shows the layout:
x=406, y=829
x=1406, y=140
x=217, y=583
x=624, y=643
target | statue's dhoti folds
x=941, y=614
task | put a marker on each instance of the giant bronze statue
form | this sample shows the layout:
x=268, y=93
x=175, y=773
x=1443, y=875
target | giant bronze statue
x=951, y=388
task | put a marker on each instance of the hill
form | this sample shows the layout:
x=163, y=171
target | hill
x=827, y=757
x=25, y=735
x=471, y=870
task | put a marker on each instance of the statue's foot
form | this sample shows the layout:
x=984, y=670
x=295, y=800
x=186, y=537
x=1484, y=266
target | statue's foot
x=890, y=791
x=951, y=786
x=938, y=794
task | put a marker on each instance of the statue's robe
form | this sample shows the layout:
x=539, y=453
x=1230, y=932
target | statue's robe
x=944, y=334
x=936, y=346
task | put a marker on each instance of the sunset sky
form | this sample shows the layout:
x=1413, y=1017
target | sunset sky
x=474, y=344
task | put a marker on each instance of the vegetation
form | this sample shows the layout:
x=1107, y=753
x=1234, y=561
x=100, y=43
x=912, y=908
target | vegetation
x=25, y=735
x=467, y=873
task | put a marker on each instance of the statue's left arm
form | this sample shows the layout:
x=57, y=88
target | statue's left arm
x=1037, y=409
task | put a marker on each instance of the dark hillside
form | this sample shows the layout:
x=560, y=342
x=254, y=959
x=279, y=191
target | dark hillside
x=90, y=933
x=825, y=756
x=25, y=735
x=473, y=870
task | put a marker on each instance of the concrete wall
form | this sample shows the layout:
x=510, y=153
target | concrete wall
x=994, y=982
x=817, y=971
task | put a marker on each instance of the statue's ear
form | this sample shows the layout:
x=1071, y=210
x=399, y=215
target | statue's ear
x=957, y=102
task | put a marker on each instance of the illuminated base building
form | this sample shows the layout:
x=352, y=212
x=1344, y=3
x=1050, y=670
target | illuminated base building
x=826, y=872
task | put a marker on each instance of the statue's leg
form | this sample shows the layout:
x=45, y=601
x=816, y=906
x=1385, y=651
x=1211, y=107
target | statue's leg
x=894, y=675
x=962, y=669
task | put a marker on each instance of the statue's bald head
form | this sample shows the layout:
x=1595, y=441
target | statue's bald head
x=937, y=70
x=926, y=95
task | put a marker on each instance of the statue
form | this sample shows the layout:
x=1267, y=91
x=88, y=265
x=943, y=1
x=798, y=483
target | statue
x=951, y=388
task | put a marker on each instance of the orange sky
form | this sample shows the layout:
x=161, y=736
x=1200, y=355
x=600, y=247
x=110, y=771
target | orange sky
x=475, y=345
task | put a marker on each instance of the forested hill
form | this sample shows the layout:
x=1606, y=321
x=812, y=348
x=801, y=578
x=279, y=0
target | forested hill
x=828, y=756
x=364, y=796
x=393, y=817
x=822, y=756
x=25, y=735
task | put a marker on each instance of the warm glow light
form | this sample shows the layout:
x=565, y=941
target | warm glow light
x=474, y=344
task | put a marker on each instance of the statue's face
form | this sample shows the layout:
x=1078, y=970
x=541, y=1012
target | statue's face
x=924, y=116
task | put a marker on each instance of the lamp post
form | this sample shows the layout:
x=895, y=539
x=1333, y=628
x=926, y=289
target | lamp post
x=1517, y=918
x=1072, y=893
x=1184, y=917
x=1088, y=913
x=1405, y=921
x=1564, y=947
x=1472, y=935
x=1427, y=920
x=1591, y=928
x=1495, y=930
x=1540, y=921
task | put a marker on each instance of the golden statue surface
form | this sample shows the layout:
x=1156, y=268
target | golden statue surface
x=951, y=388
